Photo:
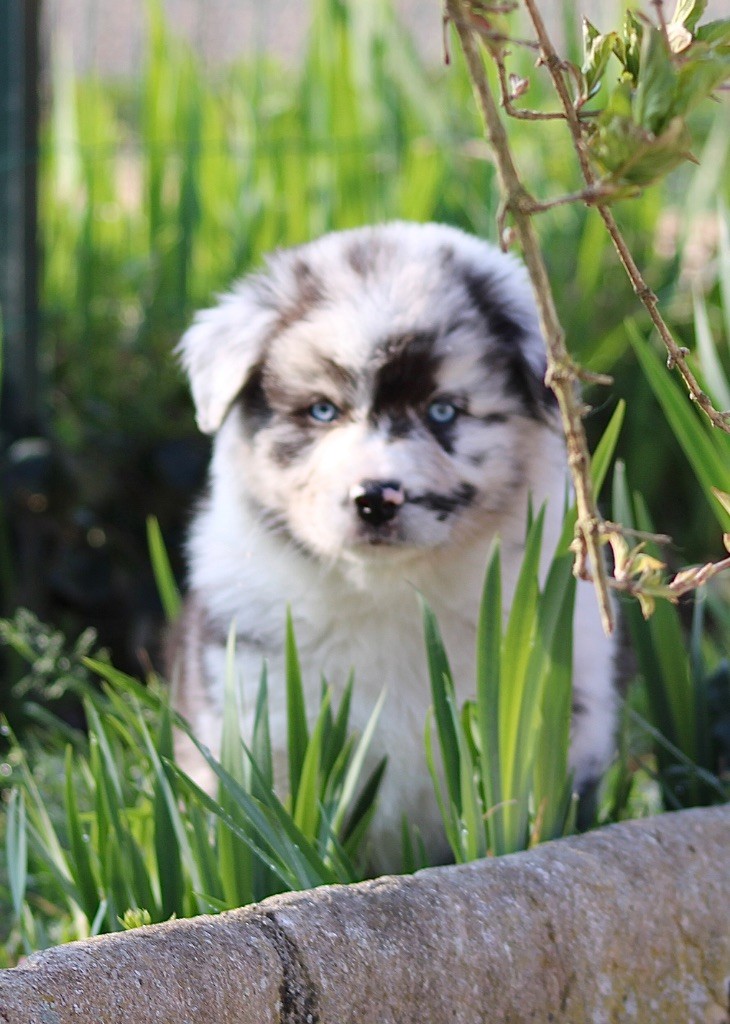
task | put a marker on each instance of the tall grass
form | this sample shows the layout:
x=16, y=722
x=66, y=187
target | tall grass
x=505, y=754
x=127, y=838
x=505, y=781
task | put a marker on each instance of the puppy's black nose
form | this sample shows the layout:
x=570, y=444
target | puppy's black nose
x=377, y=501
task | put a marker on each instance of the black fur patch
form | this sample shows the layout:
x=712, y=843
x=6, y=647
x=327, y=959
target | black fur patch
x=507, y=355
x=399, y=425
x=445, y=504
x=406, y=375
x=253, y=402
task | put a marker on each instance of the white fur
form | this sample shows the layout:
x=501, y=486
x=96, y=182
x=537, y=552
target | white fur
x=355, y=604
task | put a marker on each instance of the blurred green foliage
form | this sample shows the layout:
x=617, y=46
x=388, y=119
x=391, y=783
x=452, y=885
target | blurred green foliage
x=156, y=193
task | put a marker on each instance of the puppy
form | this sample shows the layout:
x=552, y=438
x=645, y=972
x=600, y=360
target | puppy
x=380, y=416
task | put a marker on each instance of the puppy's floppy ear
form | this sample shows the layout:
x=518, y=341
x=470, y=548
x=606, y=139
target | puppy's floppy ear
x=219, y=350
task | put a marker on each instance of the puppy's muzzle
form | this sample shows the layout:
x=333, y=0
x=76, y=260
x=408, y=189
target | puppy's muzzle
x=377, y=501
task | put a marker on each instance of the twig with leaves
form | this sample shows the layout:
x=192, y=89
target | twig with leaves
x=662, y=139
x=640, y=134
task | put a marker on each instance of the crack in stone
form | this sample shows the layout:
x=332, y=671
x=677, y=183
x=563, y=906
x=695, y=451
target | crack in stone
x=297, y=992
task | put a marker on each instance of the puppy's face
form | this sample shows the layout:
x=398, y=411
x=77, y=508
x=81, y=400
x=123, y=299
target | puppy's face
x=380, y=388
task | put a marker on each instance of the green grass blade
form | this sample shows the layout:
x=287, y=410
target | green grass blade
x=447, y=807
x=234, y=859
x=291, y=841
x=354, y=771
x=280, y=867
x=667, y=635
x=517, y=711
x=603, y=455
x=201, y=851
x=297, y=732
x=39, y=819
x=16, y=849
x=118, y=891
x=337, y=737
x=708, y=452
x=440, y=678
x=261, y=738
x=126, y=861
x=519, y=635
x=168, y=859
x=359, y=816
x=275, y=827
x=413, y=855
x=692, y=769
x=164, y=578
x=489, y=685
x=123, y=682
x=306, y=806
x=82, y=867
x=723, y=218
x=600, y=464
x=165, y=789
x=552, y=780
x=660, y=647
x=112, y=778
x=472, y=834
x=716, y=379
x=99, y=918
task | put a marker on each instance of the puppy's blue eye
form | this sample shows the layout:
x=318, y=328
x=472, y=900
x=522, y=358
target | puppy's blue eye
x=324, y=412
x=441, y=412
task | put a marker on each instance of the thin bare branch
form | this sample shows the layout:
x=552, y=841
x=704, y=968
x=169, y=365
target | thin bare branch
x=655, y=538
x=507, y=97
x=561, y=375
x=677, y=354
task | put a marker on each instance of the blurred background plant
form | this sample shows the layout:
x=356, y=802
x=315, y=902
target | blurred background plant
x=154, y=193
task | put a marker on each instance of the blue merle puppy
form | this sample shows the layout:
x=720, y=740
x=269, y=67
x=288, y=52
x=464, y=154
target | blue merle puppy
x=380, y=416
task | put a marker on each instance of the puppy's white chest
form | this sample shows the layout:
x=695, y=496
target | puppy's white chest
x=377, y=636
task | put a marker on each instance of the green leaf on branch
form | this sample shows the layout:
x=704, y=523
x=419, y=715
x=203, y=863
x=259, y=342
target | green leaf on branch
x=641, y=134
x=656, y=88
x=688, y=12
x=701, y=75
x=597, y=48
x=715, y=33
x=628, y=48
x=629, y=155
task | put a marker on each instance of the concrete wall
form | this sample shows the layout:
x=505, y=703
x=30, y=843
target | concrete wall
x=629, y=923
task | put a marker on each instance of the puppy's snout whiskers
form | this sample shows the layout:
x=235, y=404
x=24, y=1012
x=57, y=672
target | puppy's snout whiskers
x=377, y=501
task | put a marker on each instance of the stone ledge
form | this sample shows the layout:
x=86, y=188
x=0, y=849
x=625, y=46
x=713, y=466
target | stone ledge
x=629, y=923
